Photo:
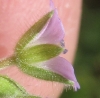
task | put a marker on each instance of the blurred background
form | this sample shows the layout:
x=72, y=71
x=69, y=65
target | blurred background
x=87, y=60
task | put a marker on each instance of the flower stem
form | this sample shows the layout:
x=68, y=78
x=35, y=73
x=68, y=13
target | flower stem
x=7, y=62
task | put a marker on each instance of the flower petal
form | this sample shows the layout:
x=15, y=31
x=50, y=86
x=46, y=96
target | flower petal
x=62, y=67
x=54, y=32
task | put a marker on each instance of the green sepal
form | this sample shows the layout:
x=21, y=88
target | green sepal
x=44, y=74
x=10, y=89
x=33, y=31
x=39, y=53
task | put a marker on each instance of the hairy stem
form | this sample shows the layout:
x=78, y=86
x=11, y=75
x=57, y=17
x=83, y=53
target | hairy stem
x=7, y=62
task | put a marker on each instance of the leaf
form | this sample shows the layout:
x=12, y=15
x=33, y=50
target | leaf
x=38, y=53
x=10, y=89
x=33, y=31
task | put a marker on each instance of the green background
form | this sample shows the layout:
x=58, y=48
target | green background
x=87, y=60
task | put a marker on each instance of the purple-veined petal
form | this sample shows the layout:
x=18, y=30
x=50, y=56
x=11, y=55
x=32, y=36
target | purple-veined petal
x=62, y=67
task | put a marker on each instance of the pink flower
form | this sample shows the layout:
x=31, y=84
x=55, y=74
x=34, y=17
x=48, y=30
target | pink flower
x=51, y=34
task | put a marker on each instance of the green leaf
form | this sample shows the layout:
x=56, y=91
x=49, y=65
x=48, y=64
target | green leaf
x=44, y=74
x=39, y=53
x=10, y=89
x=33, y=31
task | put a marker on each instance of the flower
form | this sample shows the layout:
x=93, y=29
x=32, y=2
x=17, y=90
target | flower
x=37, y=52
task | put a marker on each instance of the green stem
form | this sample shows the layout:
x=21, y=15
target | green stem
x=7, y=62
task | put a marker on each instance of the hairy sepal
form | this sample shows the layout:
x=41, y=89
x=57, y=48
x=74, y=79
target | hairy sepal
x=39, y=53
x=33, y=32
x=44, y=74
